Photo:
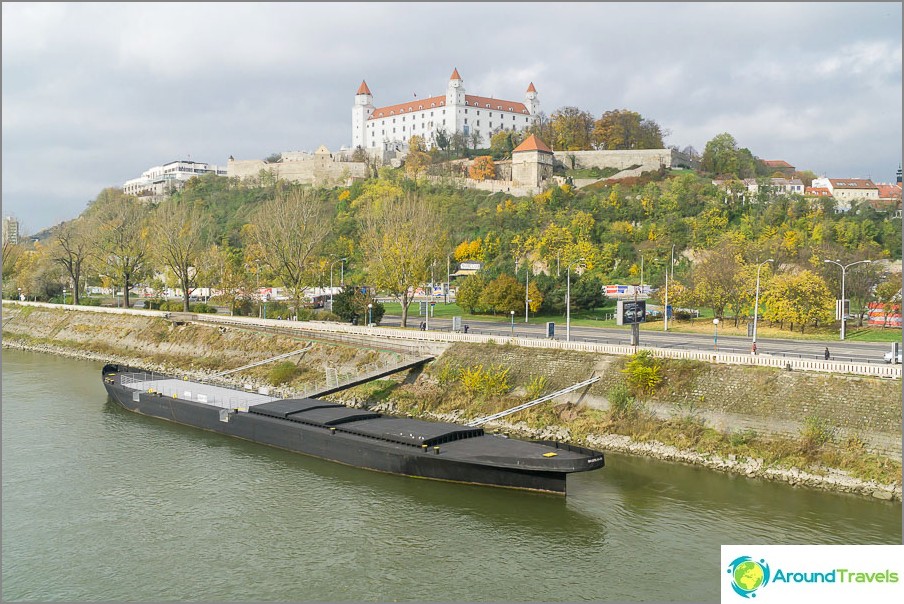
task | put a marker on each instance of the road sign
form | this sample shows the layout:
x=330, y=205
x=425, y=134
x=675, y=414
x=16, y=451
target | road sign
x=629, y=312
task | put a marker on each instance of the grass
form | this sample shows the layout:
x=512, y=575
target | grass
x=702, y=325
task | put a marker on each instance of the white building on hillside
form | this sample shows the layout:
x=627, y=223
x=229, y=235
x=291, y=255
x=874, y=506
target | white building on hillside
x=10, y=230
x=846, y=190
x=390, y=127
x=160, y=181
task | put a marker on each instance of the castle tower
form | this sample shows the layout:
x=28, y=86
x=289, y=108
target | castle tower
x=455, y=103
x=362, y=110
x=531, y=101
x=532, y=163
x=898, y=179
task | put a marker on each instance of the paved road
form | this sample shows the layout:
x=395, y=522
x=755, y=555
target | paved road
x=861, y=352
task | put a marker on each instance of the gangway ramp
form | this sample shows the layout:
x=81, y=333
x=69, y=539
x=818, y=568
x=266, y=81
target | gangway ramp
x=265, y=361
x=367, y=377
x=482, y=420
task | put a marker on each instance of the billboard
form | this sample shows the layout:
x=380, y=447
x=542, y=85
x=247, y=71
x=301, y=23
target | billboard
x=629, y=312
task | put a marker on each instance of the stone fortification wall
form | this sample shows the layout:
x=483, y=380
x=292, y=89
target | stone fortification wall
x=648, y=159
x=314, y=169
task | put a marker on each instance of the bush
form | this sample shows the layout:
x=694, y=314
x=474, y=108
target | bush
x=490, y=382
x=282, y=373
x=643, y=373
x=622, y=404
x=816, y=433
x=536, y=387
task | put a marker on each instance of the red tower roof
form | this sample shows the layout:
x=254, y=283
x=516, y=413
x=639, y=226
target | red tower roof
x=363, y=89
x=455, y=75
x=531, y=88
x=532, y=143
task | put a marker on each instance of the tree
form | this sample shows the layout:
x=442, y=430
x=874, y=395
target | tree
x=178, y=243
x=72, y=248
x=417, y=159
x=888, y=293
x=351, y=304
x=122, y=238
x=400, y=241
x=571, y=128
x=289, y=230
x=503, y=142
x=441, y=139
x=503, y=293
x=716, y=278
x=482, y=168
x=799, y=298
x=720, y=157
x=229, y=274
x=467, y=295
x=623, y=129
x=587, y=293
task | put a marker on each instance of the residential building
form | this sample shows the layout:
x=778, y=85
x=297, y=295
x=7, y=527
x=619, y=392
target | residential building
x=779, y=165
x=377, y=129
x=780, y=186
x=160, y=181
x=847, y=190
x=10, y=230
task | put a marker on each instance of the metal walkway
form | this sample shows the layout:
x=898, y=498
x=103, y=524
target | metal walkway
x=482, y=420
x=367, y=377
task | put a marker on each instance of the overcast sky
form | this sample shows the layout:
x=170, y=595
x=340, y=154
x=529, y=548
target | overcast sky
x=95, y=94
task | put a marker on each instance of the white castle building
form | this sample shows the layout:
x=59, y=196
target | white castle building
x=381, y=128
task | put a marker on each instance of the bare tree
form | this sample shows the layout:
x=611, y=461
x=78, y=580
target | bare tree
x=401, y=239
x=289, y=230
x=72, y=248
x=178, y=244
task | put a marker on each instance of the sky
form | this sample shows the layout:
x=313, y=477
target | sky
x=95, y=94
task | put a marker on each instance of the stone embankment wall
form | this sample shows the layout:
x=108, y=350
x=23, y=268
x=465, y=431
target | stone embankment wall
x=316, y=169
x=729, y=398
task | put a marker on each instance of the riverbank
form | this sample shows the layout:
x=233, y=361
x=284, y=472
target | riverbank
x=198, y=351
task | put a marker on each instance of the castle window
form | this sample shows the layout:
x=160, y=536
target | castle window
x=478, y=122
x=491, y=114
x=478, y=112
x=466, y=112
x=488, y=105
x=432, y=105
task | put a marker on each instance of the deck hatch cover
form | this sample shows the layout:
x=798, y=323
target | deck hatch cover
x=283, y=408
x=412, y=431
x=331, y=416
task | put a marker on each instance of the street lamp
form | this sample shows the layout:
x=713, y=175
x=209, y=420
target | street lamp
x=64, y=295
x=716, y=334
x=342, y=260
x=513, y=322
x=843, y=270
x=756, y=304
x=370, y=314
x=568, y=300
x=259, y=297
x=526, y=290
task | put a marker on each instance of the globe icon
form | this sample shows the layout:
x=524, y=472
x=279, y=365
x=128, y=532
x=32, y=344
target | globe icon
x=748, y=575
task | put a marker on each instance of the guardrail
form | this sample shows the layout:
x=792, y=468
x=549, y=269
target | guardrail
x=406, y=337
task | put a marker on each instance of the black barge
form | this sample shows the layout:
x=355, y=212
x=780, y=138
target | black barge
x=356, y=437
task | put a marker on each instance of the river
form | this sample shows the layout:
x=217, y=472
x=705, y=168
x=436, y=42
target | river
x=101, y=504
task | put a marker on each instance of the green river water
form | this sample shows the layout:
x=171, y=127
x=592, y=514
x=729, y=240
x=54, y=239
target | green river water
x=101, y=504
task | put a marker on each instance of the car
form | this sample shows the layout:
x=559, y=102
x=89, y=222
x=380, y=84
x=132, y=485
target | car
x=891, y=357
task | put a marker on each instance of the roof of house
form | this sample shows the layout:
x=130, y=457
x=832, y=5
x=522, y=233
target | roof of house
x=852, y=183
x=531, y=88
x=455, y=75
x=818, y=191
x=532, y=143
x=889, y=191
x=363, y=89
x=777, y=163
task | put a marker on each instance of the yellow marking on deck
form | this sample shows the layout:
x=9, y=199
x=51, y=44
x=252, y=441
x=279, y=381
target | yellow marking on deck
x=550, y=454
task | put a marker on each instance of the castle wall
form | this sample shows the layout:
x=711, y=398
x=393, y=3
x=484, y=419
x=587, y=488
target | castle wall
x=313, y=169
x=649, y=159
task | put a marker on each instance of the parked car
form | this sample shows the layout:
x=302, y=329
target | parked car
x=890, y=357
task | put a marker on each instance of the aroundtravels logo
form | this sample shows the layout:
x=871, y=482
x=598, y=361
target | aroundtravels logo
x=748, y=575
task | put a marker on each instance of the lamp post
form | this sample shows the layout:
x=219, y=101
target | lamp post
x=843, y=271
x=568, y=300
x=21, y=299
x=259, y=297
x=342, y=260
x=716, y=334
x=370, y=314
x=526, y=290
x=756, y=303
x=513, y=322
x=64, y=295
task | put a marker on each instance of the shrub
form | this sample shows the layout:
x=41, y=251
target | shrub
x=536, y=387
x=816, y=433
x=643, y=373
x=490, y=382
x=283, y=373
x=622, y=404
x=447, y=374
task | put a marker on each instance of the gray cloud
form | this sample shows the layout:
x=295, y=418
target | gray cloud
x=94, y=94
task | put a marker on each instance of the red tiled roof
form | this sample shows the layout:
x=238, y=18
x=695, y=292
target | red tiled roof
x=531, y=88
x=777, y=163
x=532, y=143
x=409, y=107
x=818, y=191
x=852, y=183
x=363, y=89
x=455, y=75
x=479, y=102
x=483, y=102
x=887, y=191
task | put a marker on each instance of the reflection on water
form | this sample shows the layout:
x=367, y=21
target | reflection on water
x=103, y=504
